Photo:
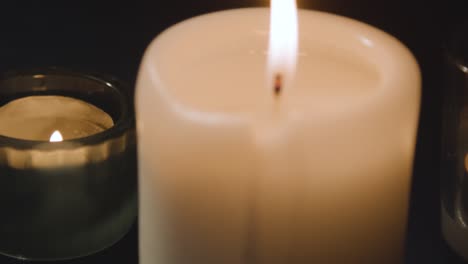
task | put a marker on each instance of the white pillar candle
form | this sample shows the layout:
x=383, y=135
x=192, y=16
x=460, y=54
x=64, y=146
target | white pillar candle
x=231, y=173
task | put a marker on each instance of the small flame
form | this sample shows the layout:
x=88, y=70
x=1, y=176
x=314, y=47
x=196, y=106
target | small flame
x=56, y=137
x=282, y=54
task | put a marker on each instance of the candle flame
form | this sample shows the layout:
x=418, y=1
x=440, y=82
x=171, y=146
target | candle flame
x=56, y=137
x=283, y=45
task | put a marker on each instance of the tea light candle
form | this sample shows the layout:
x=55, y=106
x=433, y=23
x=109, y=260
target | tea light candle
x=67, y=163
x=38, y=117
x=308, y=165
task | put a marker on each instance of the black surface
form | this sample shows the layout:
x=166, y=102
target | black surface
x=111, y=37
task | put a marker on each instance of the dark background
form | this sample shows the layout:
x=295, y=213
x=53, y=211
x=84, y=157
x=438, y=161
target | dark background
x=110, y=38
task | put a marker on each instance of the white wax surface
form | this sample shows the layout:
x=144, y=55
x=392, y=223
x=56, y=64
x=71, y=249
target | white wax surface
x=37, y=117
x=341, y=76
x=229, y=173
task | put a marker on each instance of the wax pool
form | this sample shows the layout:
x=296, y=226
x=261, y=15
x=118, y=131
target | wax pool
x=37, y=117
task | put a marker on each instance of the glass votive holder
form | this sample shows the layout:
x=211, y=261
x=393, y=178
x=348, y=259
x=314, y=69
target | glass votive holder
x=454, y=174
x=67, y=164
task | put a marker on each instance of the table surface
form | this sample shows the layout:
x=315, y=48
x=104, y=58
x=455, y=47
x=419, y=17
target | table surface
x=423, y=246
x=111, y=38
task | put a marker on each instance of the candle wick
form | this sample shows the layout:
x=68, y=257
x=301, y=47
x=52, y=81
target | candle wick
x=278, y=84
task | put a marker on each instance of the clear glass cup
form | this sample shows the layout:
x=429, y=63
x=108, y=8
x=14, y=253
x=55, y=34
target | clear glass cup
x=67, y=199
x=454, y=174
